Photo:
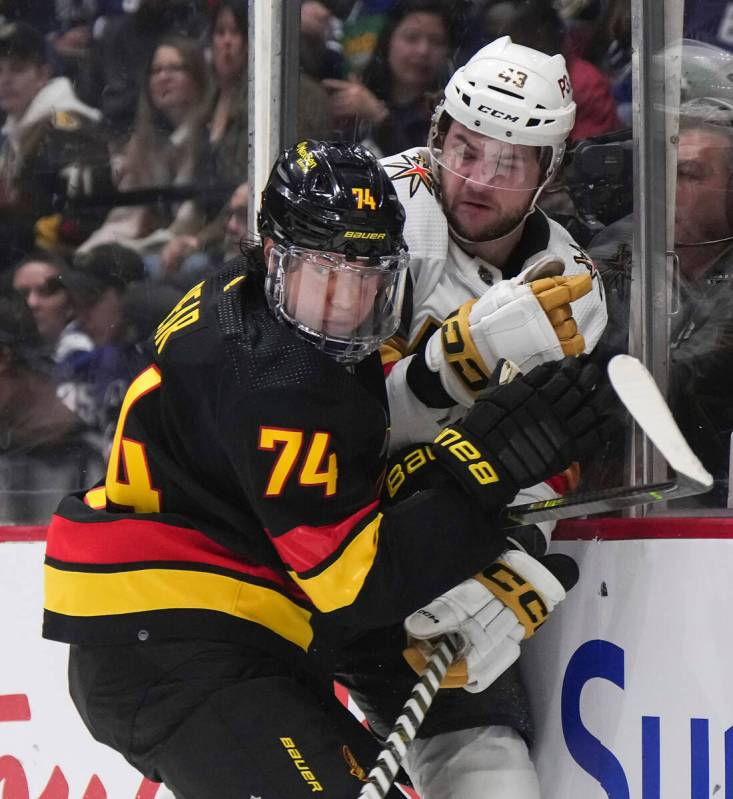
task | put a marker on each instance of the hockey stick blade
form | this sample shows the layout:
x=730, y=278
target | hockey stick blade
x=640, y=395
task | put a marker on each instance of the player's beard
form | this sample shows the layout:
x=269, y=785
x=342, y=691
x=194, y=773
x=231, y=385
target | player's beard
x=496, y=230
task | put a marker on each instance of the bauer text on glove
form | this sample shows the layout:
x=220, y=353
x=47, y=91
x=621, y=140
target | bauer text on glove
x=525, y=431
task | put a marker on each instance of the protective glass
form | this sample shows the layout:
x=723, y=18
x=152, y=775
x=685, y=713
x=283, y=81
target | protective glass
x=345, y=307
x=491, y=162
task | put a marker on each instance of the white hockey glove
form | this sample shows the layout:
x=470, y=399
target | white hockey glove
x=489, y=615
x=527, y=319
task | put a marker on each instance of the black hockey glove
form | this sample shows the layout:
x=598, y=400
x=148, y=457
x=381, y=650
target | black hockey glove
x=522, y=432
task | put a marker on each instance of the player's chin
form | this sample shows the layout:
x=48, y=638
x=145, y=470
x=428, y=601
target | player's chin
x=340, y=328
x=477, y=232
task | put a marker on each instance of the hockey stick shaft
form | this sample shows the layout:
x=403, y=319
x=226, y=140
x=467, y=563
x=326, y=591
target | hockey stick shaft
x=602, y=501
x=381, y=777
x=641, y=397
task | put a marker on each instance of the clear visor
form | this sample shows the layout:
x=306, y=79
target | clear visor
x=348, y=306
x=491, y=162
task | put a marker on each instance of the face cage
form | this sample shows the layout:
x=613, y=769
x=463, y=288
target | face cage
x=347, y=309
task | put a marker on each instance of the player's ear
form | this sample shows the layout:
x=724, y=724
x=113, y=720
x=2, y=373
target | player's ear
x=267, y=245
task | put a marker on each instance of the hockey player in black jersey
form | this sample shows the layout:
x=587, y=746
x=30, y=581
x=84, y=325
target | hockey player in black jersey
x=239, y=551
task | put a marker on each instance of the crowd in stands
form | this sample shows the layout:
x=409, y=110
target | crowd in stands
x=123, y=167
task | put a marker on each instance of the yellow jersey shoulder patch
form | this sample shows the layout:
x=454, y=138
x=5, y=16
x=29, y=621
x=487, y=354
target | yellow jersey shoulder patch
x=232, y=283
x=65, y=120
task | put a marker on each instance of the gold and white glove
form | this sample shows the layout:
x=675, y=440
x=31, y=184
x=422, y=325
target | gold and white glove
x=489, y=615
x=527, y=320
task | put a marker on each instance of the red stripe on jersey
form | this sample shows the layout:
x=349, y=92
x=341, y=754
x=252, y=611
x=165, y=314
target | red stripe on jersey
x=140, y=541
x=558, y=483
x=305, y=547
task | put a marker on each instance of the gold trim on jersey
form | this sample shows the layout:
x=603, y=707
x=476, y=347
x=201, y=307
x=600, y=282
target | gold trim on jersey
x=232, y=283
x=426, y=329
x=96, y=498
x=339, y=584
x=392, y=350
x=85, y=594
x=184, y=313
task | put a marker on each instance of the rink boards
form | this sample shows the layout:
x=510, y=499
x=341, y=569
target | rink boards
x=629, y=679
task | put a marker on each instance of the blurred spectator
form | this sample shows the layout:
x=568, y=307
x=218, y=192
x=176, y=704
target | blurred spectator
x=701, y=331
x=536, y=24
x=607, y=44
x=52, y=150
x=163, y=151
x=360, y=32
x=119, y=57
x=224, y=161
x=70, y=41
x=39, y=280
x=236, y=229
x=221, y=244
x=709, y=21
x=391, y=109
x=320, y=57
x=320, y=54
x=40, y=14
x=93, y=383
x=43, y=453
x=145, y=307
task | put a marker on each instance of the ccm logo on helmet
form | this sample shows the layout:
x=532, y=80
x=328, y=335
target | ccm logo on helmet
x=493, y=112
x=357, y=234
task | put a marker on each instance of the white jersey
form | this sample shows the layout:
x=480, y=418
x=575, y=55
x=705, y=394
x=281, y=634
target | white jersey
x=444, y=277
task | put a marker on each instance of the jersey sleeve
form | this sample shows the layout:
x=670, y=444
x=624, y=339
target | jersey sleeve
x=314, y=476
x=413, y=420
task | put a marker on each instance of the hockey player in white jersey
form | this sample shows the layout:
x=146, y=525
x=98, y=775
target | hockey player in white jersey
x=491, y=277
x=474, y=231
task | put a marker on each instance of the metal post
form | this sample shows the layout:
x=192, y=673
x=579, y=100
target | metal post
x=274, y=33
x=655, y=102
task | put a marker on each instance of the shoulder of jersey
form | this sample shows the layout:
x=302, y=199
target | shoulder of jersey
x=194, y=310
x=426, y=231
x=411, y=174
x=563, y=244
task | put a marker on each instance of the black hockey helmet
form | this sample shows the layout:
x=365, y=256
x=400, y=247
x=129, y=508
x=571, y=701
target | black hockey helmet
x=334, y=197
x=337, y=265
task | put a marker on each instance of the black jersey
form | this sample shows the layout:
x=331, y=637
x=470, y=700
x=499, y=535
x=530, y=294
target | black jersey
x=242, y=494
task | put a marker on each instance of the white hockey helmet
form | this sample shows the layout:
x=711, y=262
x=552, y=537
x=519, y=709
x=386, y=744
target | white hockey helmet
x=513, y=94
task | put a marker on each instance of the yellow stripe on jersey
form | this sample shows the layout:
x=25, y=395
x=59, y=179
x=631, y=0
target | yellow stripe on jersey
x=96, y=498
x=232, y=283
x=338, y=585
x=85, y=594
x=184, y=313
